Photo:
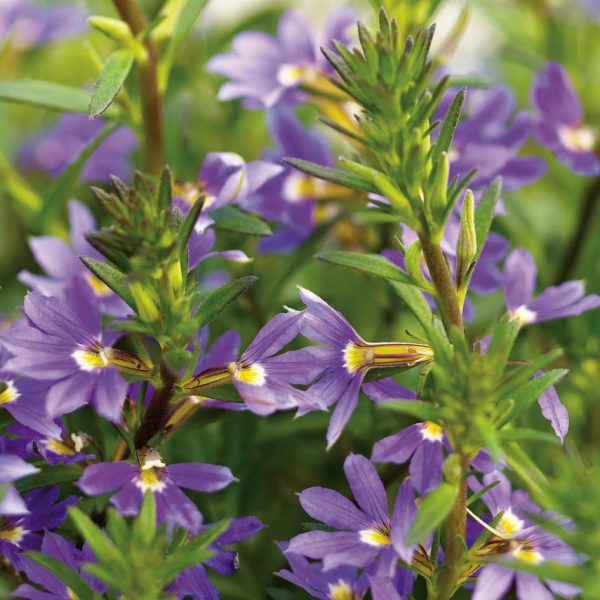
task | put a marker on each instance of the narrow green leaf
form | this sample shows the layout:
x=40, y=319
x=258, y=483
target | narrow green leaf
x=224, y=295
x=49, y=476
x=165, y=190
x=187, y=228
x=349, y=180
x=61, y=188
x=423, y=411
x=370, y=263
x=504, y=336
x=413, y=298
x=110, y=276
x=524, y=434
x=484, y=213
x=434, y=509
x=481, y=492
x=106, y=574
x=117, y=528
x=230, y=218
x=489, y=436
x=448, y=126
x=110, y=81
x=143, y=529
x=98, y=542
x=47, y=94
x=71, y=579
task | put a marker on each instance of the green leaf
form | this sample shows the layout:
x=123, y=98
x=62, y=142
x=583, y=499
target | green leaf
x=484, y=213
x=339, y=176
x=62, y=187
x=489, y=436
x=433, y=511
x=524, y=434
x=110, y=81
x=423, y=411
x=185, y=23
x=71, y=579
x=165, y=191
x=413, y=298
x=370, y=263
x=117, y=528
x=481, y=492
x=110, y=276
x=504, y=336
x=230, y=218
x=220, y=298
x=448, y=126
x=187, y=228
x=47, y=94
x=98, y=542
x=49, y=476
x=143, y=529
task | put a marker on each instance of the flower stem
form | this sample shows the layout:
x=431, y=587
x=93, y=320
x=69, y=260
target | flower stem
x=446, y=296
x=456, y=527
x=151, y=100
x=157, y=413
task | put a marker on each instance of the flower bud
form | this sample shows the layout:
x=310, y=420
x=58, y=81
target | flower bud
x=466, y=248
x=113, y=28
x=146, y=301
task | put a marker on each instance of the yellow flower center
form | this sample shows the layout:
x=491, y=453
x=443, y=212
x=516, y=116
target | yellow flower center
x=527, y=554
x=99, y=287
x=341, y=591
x=509, y=523
x=8, y=392
x=10, y=533
x=387, y=354
x=59, y=447
x=580, y=138
x=524, y=315
x=375, y=537
x=432, y=432
x=90, y=359
x=253, y=374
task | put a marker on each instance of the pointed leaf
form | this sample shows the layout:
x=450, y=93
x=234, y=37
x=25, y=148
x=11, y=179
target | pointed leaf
x=110, y=81
x=413, y=298
x=220, y=298
x=423, y=411
x=433, y=511
x=339, y=176
x=448, y=126
x=111, y=277
x=187, y=228
x=49, y=476
x=230, y=218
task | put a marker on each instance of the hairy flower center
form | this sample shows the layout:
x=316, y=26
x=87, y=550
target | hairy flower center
x=89, y=359
x=99, y=288
x=578, y=138
x=376, y=537
x=10, y=533
x=152, y=469
x=524, y=315
x=8, y=392
x=509, y=523
x=432, y=432
x=253, y=374
x=366, y=356
x=341, y=591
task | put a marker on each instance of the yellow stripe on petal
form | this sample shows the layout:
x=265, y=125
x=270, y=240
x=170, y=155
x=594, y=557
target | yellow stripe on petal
x=59, y=447
x=11, y=534
x=88, y=360
x=375, y=537
x=8, y=392
x=341, y=591
x=432, y=432
x=254, y=374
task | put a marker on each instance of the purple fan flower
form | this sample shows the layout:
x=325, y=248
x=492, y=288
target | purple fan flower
x=283, y=194
x=61, y=263
x=65, y=551
x=57, y=147
x=559, y=125
x=151, y=473
x=488, y=139
x=23, y=531
x=194, y=581
x=271, y=71
x=421, y=444
x=338, y=583
x=555, y=302
x=33, y=25
x=554, y=410
x=12, y=468
x=366, y=533
x=62, y=345
x=264, y=378
x=525, y=542
x=592, y=7
x=347, y=357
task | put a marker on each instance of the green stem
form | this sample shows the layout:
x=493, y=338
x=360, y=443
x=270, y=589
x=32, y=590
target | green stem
x=151, y=100
x=441, y=277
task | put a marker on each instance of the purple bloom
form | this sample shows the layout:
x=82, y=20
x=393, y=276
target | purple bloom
x=488, y=139
x=59, y=145
x=366, y=533
x=22, y=531
x=64, y=550
x=559, y=125
x=592, y=7
x=270, y=71
x=58, y=346
x=527, y=542
x=152, y=474
x=283, y=194
x=194, y=581
x=61, y=263
x=12, y=467
x=33, y=25
x=421, y=444
x=264, y=378
x=555, y=302
x=347, y=357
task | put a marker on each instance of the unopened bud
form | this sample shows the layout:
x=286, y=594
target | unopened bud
x=466, y=248
x=113, y=28
x=436, y=198
x=146, y=302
